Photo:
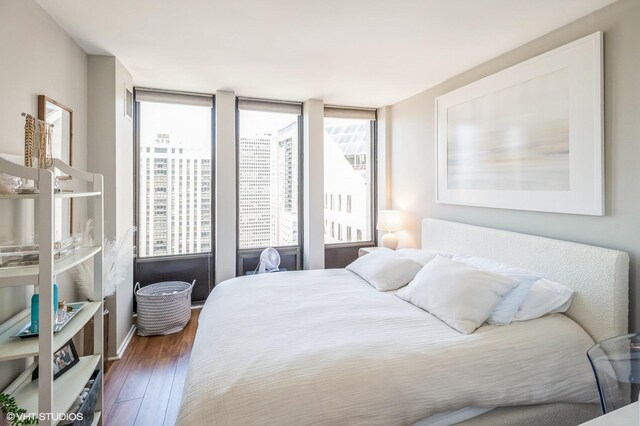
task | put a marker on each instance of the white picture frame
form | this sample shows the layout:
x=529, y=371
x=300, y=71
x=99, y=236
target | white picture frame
x=529, y=137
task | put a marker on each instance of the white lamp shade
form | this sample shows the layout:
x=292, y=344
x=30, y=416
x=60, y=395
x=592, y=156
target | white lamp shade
x=389, y=220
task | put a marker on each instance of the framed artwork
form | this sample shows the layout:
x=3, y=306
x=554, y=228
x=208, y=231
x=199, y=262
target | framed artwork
x=529, y=137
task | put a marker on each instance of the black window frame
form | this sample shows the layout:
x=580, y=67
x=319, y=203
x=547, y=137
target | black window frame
x=373, y=241
x=249, y=256
x=166, y=264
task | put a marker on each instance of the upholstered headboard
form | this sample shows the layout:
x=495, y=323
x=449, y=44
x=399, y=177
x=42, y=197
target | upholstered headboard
x=599, y=276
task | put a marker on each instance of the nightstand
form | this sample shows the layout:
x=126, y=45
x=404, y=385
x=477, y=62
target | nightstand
x=366, y=250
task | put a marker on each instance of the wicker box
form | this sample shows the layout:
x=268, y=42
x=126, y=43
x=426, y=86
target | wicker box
x=163, y=308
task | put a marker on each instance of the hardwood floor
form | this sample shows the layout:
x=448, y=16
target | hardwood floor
x=145, y=386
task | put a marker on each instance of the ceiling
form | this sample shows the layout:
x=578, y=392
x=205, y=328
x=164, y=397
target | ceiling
x=347, y=52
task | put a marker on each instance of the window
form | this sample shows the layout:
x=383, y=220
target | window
x=174, y=130
x=268, y=174
x=348, y=172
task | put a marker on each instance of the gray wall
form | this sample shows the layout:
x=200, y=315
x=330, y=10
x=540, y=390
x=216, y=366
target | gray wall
x=36, y=58
x=413, y=147
x=111, y=146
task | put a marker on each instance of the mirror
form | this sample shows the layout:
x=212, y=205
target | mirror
x=62, y=134
x=61, y=147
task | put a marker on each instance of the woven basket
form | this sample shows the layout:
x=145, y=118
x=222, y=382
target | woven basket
x=163, y=308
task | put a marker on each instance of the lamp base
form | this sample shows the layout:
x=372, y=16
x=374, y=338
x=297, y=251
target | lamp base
x=390, y=241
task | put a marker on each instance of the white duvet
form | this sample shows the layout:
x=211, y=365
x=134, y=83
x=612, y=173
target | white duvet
x=326, y=348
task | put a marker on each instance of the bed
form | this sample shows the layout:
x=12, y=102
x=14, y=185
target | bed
x=324, y=347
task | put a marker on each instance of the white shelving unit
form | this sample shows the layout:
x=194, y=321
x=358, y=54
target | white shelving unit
x=44, y=395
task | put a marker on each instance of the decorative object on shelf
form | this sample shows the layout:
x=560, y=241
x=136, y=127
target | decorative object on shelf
x=116, y=263
x=56, y=291
x=389, y=221
x=34, y=326
x=18, y=256
x=37, y=142
x=70, y=311
x=9, y=408
x=29, y=139
x=63, y=360
x=9, y=185
x=61, y=312
x=528, y=137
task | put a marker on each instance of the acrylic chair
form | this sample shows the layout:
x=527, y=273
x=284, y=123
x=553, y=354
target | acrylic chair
x=616, y=365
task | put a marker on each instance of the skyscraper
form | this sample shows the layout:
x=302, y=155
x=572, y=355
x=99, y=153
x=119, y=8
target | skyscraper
x=255, y=176
x=268, y=188
x=347, y=194
x=175, y=199
x=285, y=200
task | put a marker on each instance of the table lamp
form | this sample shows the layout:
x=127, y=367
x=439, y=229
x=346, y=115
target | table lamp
x=389, y=221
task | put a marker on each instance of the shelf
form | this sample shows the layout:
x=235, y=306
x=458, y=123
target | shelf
x=17, y=348
x=81, y=254
x=96, y=418
x=57, y=195
x=66, y=388
x=28, y=275
x=77, y=194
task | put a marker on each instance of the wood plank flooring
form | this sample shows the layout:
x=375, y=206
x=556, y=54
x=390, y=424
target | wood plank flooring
x=145, y=386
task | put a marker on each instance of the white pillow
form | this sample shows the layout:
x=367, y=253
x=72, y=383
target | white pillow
x=508, y=307
x=385, y=269
x=545, y=297
x=421, y=256
x=459, y=294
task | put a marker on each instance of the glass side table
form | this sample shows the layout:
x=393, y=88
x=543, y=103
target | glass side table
x=616, y=366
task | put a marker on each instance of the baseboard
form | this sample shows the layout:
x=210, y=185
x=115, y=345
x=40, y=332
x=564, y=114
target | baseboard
x=124, y=345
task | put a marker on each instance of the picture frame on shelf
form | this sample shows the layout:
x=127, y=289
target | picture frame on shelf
x=63, y=360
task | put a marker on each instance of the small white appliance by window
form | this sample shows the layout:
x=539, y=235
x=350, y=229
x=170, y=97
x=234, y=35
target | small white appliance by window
x=269, y=261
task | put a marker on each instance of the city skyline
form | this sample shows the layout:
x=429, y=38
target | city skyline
x=176, y=176
x=175, y=173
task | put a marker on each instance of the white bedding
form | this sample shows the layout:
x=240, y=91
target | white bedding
x=324, y=347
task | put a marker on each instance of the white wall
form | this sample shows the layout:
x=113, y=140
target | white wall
x=225, y=186
x=413, y=146
x=313, y=192
x=383, y=161
x=111, y=154
x=36, y=58
x=124, y=202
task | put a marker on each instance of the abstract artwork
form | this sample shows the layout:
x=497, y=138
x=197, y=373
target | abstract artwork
x=528, y=137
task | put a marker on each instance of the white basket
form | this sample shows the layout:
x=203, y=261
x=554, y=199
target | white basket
x=163, y=308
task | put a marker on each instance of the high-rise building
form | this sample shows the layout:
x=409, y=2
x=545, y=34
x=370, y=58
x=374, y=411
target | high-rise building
x=285, y=199
x=255, y=176
x=175, y=199
x=268, y=188
x=347, y=194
